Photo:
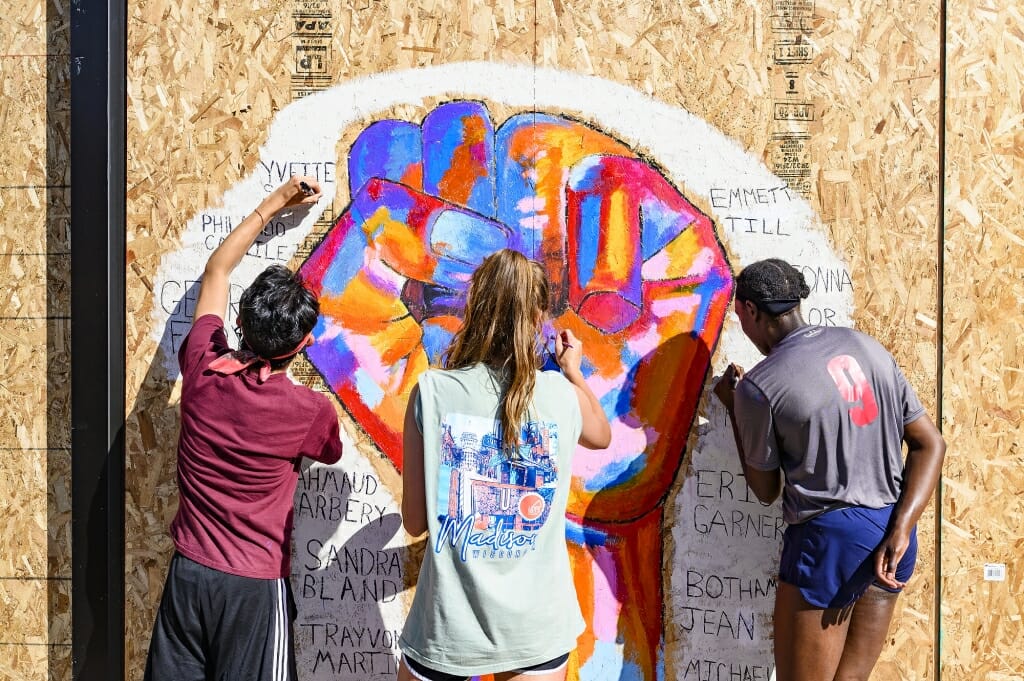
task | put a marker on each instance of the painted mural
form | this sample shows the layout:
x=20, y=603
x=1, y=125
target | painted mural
x=636, y=272
x=627, y=202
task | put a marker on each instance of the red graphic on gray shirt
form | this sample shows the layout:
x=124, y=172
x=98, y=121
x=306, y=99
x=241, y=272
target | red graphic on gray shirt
x=854, y=388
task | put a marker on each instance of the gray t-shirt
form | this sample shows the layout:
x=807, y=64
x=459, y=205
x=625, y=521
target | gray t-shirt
x=495, y=590
x=828, y=406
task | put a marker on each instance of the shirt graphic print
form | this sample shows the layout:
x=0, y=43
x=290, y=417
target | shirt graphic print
x=492, y=506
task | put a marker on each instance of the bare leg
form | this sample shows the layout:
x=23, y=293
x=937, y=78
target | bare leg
x=869, y=626
x=403, y=672
x=809, y=641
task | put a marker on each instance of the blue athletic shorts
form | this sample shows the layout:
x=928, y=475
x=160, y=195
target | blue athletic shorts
x=830, y=558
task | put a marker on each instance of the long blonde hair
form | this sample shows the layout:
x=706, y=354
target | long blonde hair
x=508, y=295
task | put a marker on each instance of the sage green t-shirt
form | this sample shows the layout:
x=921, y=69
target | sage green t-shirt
x=495, y=591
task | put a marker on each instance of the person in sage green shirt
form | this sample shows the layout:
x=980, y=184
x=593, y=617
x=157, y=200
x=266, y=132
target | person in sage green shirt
x=488, y=447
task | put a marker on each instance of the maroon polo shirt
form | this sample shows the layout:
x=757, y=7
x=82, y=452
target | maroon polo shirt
x=239, y=451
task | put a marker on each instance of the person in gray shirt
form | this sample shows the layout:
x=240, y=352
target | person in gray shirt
x=822, y=420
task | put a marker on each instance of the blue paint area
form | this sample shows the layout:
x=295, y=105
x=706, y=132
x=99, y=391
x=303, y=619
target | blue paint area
x=512, y=177
x=346, y=263
x=371, y=393
x=462, y=240
x=617, y=473
x=607, y=663
x=435, y=341
x=629, y=356
x=715, y=281
x=612, y=402
x=589, y=239
x=624, y=404
x=661, y=223
x=386, y=150
x=583, y=535
x=586, y=175
x=444, y=131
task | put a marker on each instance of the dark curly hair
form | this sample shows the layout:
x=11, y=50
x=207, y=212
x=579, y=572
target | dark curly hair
x=773, y=285
x=275, y=314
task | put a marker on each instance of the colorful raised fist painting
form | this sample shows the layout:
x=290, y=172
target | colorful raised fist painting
x=636, y=272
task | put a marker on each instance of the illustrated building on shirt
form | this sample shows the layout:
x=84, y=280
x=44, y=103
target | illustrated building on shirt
x=514, y=493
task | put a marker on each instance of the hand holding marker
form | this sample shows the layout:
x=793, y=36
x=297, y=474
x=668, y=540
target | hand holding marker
x=568, y=353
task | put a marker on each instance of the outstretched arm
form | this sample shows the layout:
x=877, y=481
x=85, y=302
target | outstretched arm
x=926, y=451
x=596, y=432
x=213, y=289
x=766, y=485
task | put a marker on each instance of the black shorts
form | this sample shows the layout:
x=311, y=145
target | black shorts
x=425, y=673
x=213, y=626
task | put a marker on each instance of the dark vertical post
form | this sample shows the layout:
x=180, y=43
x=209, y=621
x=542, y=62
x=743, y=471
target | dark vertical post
x=98, y=56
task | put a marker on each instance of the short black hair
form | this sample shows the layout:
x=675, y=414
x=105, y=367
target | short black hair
x=773, y=285
x=276, y=312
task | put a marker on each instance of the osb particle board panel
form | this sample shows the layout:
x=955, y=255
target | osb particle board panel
x=35, y=514
x=38, y=611
x=35, y=220
x=876, y=168
x=36, y=412
x=43, y=283
x=24, y=662
x=709, y=57
x=983, y=491
x=25, y=105
x=34, y=418
x=200, y=102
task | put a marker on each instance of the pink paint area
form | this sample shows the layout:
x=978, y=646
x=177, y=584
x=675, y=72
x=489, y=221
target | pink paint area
x=657, y=266
x=369, y=356
x=684, y=304
x=608, y=311
x=703, y=262
x=601, y=386
x=531, y=204
x=480, y=153
x=607, y=605
x=534, y=222
x=645, y=343
x=331, y=331
x=382, y=277
x=628, y=442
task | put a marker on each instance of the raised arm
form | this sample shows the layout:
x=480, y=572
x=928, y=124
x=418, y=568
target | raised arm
x=596, y=433
x=765, y=484
x=926, y=451
x=213, y=289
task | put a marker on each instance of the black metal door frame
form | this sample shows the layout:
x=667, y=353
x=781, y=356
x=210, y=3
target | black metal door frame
x=98, y=229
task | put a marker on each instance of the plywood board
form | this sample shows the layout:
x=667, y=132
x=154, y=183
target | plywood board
x=34, y=333
x=729, y=101
x=982, y=512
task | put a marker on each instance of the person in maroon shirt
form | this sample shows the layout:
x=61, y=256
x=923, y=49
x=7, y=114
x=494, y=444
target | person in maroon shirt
x=227, y=609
